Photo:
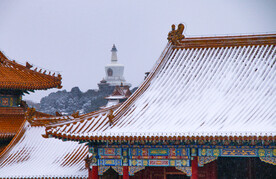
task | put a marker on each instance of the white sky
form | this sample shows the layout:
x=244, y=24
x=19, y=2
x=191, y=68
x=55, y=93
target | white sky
x=75, y=37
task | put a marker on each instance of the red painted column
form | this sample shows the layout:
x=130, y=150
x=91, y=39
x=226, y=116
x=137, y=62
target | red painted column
x=125, y=172
x=89, y=173
x=249, y=168
x=94, y=173
x=195, y=168
x=208, y=170
x=213, y=170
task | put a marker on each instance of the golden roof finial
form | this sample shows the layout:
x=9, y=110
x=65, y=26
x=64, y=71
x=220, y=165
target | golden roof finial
x=176, y=35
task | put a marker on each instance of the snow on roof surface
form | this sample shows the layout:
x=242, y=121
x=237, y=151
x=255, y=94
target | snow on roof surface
x=207, y=90
x=31, y=155
x=116, y=97
x=83, y=125
x=198, y=89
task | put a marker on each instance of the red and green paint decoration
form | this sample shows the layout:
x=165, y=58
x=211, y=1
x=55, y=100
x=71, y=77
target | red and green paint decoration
x=137, y=158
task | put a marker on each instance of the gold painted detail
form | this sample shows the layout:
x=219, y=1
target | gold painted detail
x=261, y=152
x=110, y=162
x=184, y=162
x=172, y=163
x=241, y=152
x=145, y=162
x=158, y=152
x=216, y=152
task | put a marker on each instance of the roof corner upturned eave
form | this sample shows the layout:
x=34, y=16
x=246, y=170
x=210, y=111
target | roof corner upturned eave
x=20, y=77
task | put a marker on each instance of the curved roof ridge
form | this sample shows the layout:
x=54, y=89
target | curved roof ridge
x=144, y=85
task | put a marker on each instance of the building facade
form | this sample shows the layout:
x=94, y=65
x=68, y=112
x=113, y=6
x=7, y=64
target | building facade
x=208, y=103
x=15, y=81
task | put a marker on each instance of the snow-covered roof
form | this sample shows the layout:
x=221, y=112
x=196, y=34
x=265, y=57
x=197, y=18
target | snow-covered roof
x=116, y=97
x=120, y=92
x=111, y=103
x=211, y=86
x=29, y=155
x=79, y=128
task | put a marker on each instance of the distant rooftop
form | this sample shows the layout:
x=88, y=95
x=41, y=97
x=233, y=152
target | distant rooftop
x=17, y=76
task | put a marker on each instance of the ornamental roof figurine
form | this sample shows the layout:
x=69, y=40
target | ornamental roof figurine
x=176, y=35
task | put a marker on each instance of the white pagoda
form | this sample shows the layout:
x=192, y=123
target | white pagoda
x=115, y=71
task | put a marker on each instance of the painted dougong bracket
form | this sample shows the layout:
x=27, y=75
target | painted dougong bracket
x=133, y=170
x=186, y=170
x=270, y=160
x=102, y=169
x=204, y=160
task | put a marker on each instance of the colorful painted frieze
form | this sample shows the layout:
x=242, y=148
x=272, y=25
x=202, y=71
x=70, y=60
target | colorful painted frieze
x=237, y=152
x=9, y=101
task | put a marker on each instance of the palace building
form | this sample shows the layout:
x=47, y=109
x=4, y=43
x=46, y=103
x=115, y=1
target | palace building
x=15, y=81
x=207, y=104
x=24, y=153
x=119, y=95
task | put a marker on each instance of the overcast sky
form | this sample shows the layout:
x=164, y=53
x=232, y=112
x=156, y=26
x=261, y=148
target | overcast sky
x=75, y=37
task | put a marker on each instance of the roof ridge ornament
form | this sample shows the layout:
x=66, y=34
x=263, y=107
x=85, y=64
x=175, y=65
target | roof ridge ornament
x=110, y=117
x=28, y=65
x=30, y=114
x=176, y=35
x=58, y=114
x=76, y=114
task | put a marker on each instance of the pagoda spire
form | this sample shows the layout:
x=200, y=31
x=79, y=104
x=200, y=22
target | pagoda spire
x=114, y=54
